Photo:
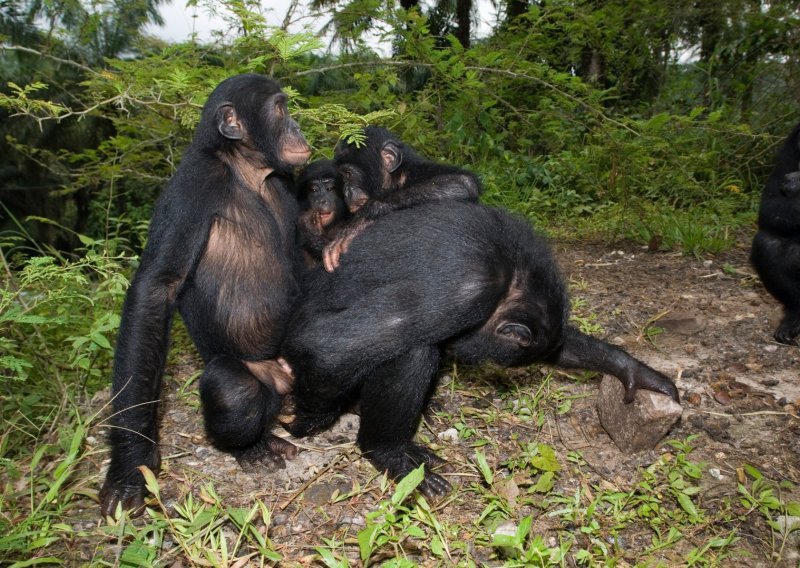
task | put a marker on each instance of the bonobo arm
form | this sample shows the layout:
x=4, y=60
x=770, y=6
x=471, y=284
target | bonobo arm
x=174, y=246
x=585, y=352
x=461, y=186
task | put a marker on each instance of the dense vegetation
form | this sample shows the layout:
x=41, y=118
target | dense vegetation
x=652, y=121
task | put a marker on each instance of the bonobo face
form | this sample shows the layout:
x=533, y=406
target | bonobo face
x=251, y=114
x=323, y=199
x=353, y=186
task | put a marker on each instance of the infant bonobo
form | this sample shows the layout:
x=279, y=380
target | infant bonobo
x=322, y=208
x=385, y=174
x=776, y=246
x=440, y=276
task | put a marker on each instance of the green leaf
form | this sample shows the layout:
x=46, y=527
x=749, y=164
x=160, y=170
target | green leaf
x=406, y=485
x=687, y=505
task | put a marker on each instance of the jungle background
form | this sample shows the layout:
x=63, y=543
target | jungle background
x=637, y=132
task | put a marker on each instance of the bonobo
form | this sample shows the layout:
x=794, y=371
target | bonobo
x=385, y=174
x=776, y=246
x=322, y=208
x=453, y=275
x=221, y=249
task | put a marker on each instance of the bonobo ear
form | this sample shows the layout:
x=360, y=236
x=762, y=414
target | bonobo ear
x=516, y=332
x=392, y=156
x=228, y=122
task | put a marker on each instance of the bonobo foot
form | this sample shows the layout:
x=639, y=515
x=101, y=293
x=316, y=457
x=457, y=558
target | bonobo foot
x=131, y=497
x=309, y=423
x=399, y=461
x=271, y=452
x=788, y=330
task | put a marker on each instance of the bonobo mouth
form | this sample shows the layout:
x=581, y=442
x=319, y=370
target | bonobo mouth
x=326, y=217
x=296, y=156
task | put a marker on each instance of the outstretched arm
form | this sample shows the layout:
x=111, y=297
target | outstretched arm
x=581, y=351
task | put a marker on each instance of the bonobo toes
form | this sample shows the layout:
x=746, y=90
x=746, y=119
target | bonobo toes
x=269, y=453
x=131, y=497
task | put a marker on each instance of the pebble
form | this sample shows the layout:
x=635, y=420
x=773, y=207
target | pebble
x=770, y=348
x=715, y=473
x=449, y=435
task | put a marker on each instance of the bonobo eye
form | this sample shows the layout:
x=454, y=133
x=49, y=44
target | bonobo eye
x=516, y=332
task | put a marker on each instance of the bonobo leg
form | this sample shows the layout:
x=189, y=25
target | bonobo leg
x=777, y=261
x=789, y=327
x=239, y=409
x=319, y=398
x=392, y=399
x=584, y=352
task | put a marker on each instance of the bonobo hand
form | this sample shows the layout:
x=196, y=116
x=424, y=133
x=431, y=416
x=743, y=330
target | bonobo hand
x=311, y=222
x=131, y=497
x=643, y=377
x=339, y=245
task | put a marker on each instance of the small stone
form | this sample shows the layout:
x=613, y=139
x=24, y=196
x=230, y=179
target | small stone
x=722, y=397
x=770, y=348
x=715, y=473
x=683, y=323
x=637, y=426
x=770, y=382
x=449, y=435
x=694, y=398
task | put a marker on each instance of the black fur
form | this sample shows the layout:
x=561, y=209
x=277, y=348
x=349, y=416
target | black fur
x=221, y=251
x=393, y=176
x=776, y=246
x=322, y=207
x=452, y=275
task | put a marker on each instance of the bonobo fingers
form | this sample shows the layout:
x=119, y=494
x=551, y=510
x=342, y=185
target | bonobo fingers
x=340, y=245
x=399, y=461
x=649, y=379
x=269, y=453
x=434, y=485
x=131, y=497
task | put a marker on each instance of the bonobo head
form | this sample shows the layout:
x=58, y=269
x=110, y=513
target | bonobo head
x=246, y=116
x=791, y=185
x=319, y=186
x=374, y=167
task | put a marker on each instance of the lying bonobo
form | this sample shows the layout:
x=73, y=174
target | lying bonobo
x=445, y=275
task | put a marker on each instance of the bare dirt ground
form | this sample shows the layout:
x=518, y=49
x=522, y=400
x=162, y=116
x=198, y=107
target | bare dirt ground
x=740, y=395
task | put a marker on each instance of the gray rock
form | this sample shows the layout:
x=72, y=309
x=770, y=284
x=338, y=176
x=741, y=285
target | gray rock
x=682, y=323
x=637, y=426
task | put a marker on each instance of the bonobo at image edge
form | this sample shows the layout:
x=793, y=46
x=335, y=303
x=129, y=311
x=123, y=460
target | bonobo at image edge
x=220, y=250
x=448, y=275
x=776, y=247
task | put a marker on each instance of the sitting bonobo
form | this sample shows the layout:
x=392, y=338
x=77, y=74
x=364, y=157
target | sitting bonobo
x=221, y=250
x=448, y=275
